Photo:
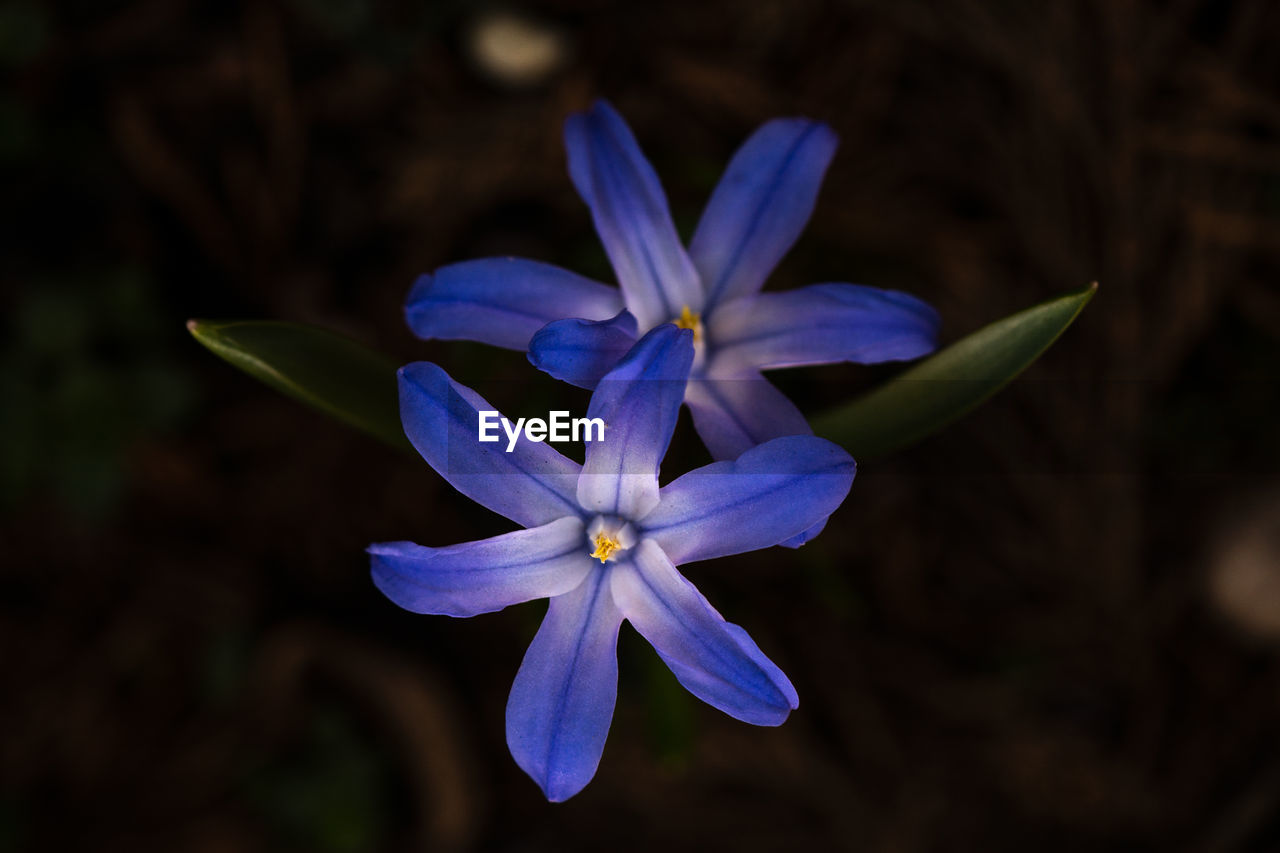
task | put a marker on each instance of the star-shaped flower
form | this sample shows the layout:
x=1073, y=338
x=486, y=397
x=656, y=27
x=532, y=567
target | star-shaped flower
x=602, y=543
x=754, y=216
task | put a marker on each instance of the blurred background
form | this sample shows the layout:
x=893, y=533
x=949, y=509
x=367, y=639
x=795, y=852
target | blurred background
x=1052, y=627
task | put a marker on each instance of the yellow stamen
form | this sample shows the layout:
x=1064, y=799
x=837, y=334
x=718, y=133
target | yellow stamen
x=605, y=546
x=690, y=320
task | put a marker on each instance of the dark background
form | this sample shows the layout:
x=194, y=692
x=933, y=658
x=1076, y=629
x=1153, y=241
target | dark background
x=1052, y=627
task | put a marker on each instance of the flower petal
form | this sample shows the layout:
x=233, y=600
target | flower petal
x=503, y=301
x=714, y=659
x=562, y=700
x=480, y=577
x=760, y=206
x=581, y=352
x=638, y=401
x=804, y=536
x=734, y=414
x=822, y=324
x=631, y=215
x=532, y=485
x=768, y=495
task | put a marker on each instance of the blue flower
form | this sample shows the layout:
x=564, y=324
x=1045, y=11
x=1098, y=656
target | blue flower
x=602, y=542
x=577, y=329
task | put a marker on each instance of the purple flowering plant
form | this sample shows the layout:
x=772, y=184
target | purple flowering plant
x=576, y=329
x=602, y=540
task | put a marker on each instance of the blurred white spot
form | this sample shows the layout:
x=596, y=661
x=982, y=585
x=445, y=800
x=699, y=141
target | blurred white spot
x=1245, y=570
x=516, y=50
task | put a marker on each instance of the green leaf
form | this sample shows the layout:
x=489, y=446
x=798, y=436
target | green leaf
x=933, y=393
x=321, y=368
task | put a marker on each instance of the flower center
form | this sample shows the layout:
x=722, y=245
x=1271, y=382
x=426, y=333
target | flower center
x=609, y=537
x=605, y=547
x=690, y=320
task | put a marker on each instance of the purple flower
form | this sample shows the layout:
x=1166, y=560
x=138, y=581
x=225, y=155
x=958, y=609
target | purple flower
x=602, y=542
x=577, y=329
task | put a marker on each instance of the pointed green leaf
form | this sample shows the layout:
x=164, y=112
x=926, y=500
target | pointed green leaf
x=933, y=393
x=321, y=368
